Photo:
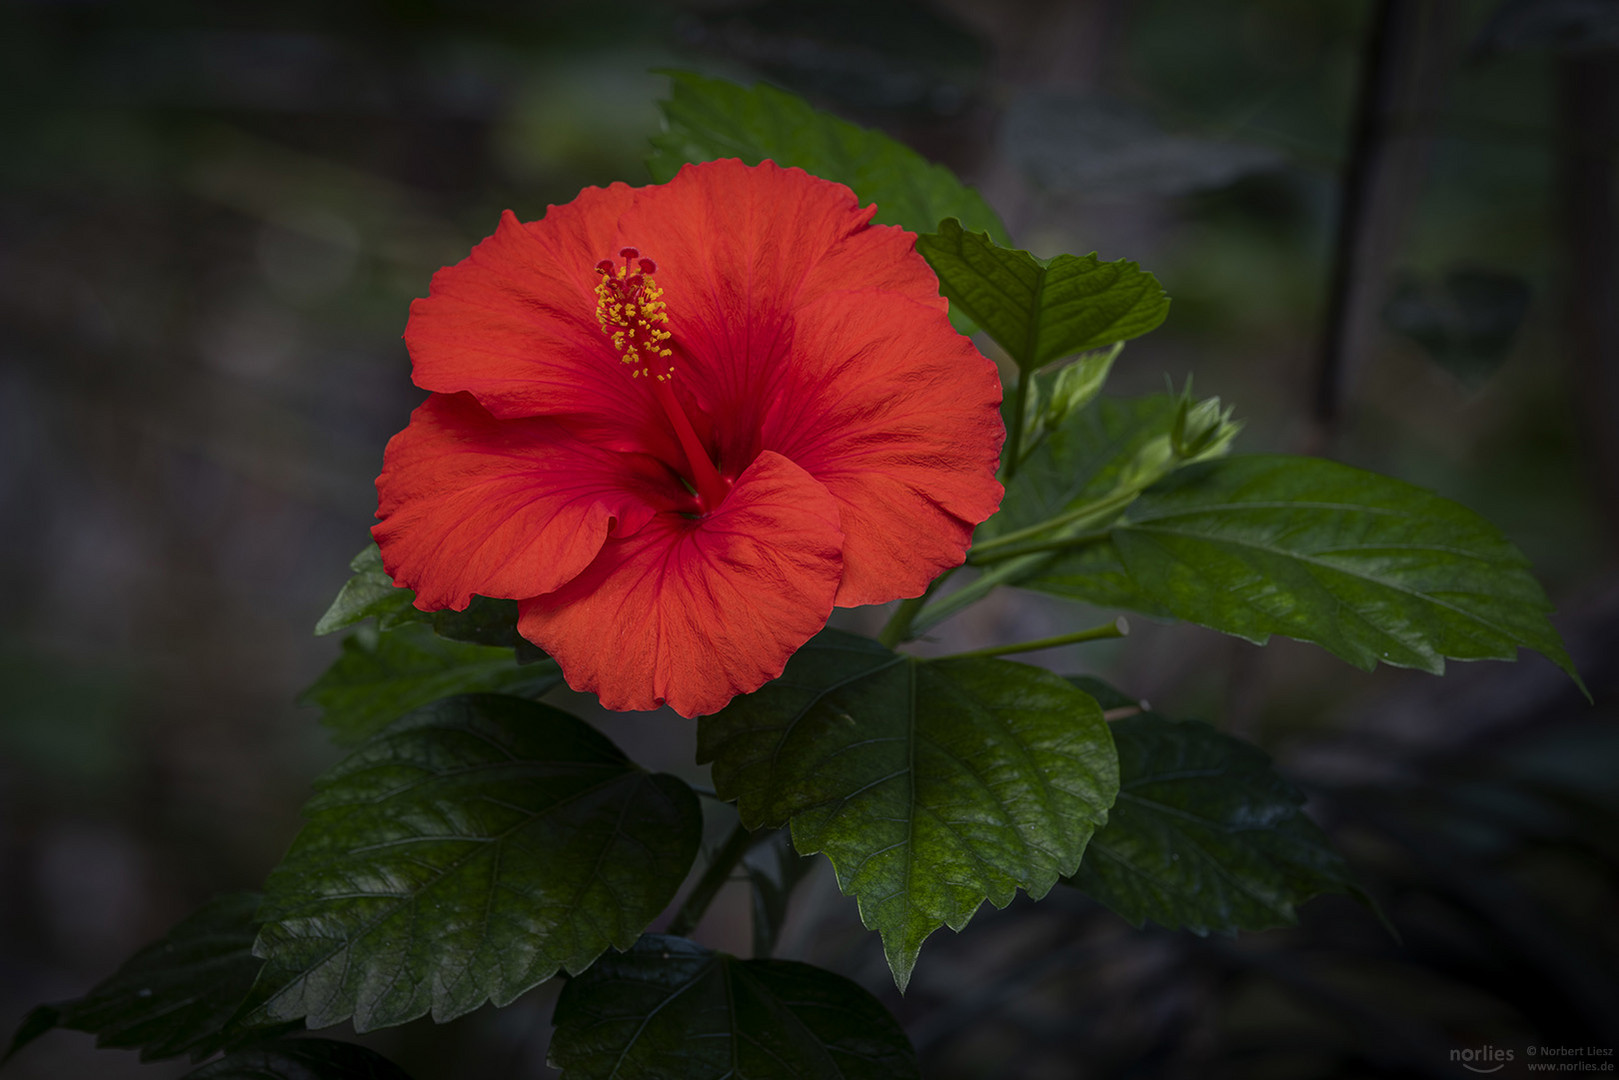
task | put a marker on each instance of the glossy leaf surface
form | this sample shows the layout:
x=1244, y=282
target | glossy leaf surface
x=1366, y=566
x=1041, y=310
x=381, y=676
x=1205, y=835
x=301, y=1059
x=930, y=785
x=711, y=118
x=669, y=1008
x=465, y=854
x=370, y=593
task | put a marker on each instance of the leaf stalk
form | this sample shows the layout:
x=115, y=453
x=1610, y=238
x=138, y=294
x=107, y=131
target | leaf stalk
x=1118, y=628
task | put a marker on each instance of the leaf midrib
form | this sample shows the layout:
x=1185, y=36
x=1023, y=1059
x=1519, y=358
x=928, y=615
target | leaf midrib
x=1283, y=553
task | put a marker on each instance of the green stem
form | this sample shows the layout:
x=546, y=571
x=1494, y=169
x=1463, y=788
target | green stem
x=1017, y=560
x=1116, y=629
x=899, y=624
x=1020, y=406
x=712, y=881
x=1061, y=543
x=1079, y=515
x=898, y=627
x=970, y=593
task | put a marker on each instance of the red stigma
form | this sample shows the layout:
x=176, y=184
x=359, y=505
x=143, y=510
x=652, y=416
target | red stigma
x=605, y=266
x=629, y=253
x=648, y=266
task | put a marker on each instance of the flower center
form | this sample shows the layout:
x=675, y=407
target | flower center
x=631, y=312
x=630, y=309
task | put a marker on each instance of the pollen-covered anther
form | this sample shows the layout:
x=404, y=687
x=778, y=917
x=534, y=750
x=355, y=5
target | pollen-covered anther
x=631, y=312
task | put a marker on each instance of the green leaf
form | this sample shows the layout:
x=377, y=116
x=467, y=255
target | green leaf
x=1041, y=310
x=1076, y=385
x=1368, y=567
x=40, y=1020
x=931, y=785
x=464, y=854
x=669, y=1008
x=370, y=593
x=1085, y=458
x=176, y=996
x=774, y=869
x=1205, y=836
x=711, y=118
x=301, y=1059
x=486, y=621
x=1110, y=698
x=1095, y=462
x=380, y=677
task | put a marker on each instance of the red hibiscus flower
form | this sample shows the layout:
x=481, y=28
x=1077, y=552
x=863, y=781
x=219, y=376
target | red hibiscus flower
x=680, y=423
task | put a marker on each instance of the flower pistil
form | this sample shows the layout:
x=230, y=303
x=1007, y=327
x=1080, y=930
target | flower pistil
x=632, y=313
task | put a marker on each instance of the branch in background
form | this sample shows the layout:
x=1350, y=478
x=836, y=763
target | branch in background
x=1588, y=172
x=1406, y=67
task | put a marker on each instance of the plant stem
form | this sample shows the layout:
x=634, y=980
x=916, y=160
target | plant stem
x=972, y=592
x=1061, y=543
x=898, y=627
x=1020, y=406
x=899, y=624
x=1116, y=629
x=1079, y=515
x=712, y=881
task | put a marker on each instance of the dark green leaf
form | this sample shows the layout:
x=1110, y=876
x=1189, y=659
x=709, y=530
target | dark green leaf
x=774, y=869
x=40, y=1020
x=1368, y=567
x=1098, y=456
x=1109, y=698
x=668, y=1008
x=372, y=593
x=711, y=118
x=1041, y=310
x=1085, y=458
x=1205, y=835
x=369, y=593
x=381, y=676
x=177, y=995
x=1467, y=322
x=465, y=854
x=486, y=621
x=931, y=785
x=301, y=1059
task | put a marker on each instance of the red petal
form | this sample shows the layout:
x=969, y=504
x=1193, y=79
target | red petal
x=739, y=249
x=692, y=613
x=508, y=508
x=899, y=416
x=514, y=323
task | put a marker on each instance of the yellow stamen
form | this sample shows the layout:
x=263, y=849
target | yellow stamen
x=631, y=312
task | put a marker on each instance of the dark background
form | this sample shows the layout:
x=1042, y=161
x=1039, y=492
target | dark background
x=213, y=218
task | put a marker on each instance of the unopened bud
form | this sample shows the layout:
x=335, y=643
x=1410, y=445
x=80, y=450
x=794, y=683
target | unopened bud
x=1202, y=429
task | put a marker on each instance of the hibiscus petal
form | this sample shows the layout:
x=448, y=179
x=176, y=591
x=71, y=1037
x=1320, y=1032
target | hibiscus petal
x=507, y=508
x=514, y=324
x=899, y=416
x=740, y=248
x=692, y=613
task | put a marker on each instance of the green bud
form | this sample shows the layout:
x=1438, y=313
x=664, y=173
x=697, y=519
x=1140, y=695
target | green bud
x=1076, y=385
x=1202, y=429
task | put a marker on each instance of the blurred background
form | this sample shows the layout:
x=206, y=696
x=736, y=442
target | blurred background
x=1389, y=229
